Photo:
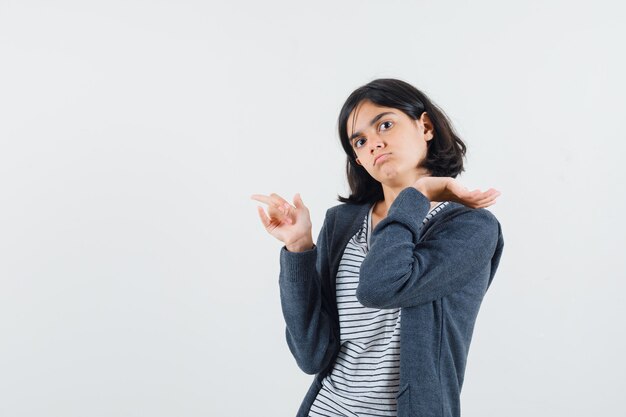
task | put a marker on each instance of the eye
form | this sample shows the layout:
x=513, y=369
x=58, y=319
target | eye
x=356, y=142
x=388, y=125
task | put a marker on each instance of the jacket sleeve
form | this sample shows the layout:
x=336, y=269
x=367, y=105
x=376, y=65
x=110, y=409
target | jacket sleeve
x=309, y=329
x=404, y=268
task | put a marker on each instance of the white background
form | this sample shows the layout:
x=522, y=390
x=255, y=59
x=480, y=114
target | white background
x=135, y=276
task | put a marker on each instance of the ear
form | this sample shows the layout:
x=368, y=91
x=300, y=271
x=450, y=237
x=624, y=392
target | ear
x=429, y=131
x=358, y=162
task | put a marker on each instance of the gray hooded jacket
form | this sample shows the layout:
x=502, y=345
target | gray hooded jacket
x=437, y=272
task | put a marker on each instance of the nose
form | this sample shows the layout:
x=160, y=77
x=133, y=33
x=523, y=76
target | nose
x=378, y=144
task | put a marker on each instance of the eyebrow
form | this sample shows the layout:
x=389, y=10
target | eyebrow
x=374, y=120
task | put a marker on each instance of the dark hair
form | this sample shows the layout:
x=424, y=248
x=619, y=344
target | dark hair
x=444, y=157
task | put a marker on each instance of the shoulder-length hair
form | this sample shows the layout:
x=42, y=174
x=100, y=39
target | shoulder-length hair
x=445, y=151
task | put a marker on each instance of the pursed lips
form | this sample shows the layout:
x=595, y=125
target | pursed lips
x=379, y=156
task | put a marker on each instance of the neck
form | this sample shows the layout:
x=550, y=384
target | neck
x=391, y=190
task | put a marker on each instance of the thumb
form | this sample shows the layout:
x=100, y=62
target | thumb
x=297, y=201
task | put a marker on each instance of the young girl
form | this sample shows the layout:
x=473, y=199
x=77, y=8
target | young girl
x=383, y=307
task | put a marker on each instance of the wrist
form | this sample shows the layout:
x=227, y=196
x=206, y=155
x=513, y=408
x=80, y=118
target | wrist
x=300, y=245
x=419, y=186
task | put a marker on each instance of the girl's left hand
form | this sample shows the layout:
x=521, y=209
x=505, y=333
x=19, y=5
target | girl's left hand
x=449, y=189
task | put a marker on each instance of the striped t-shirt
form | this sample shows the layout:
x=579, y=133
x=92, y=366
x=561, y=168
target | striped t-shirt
x=365, y=378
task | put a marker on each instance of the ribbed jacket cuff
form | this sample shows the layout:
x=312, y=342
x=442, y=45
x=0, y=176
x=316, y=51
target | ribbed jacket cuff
x=298, y=266
x=410, y=207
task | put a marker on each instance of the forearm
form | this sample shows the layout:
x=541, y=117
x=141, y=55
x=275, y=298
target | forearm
x=402, y=269
x=309, y=331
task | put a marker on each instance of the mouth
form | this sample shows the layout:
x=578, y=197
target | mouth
x=379, y=157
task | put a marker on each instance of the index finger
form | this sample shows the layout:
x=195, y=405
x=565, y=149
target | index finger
x=273, y=200
x=267, y=198
x=260, y=197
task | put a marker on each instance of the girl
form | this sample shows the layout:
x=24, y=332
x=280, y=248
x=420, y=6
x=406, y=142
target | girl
x=383, y=307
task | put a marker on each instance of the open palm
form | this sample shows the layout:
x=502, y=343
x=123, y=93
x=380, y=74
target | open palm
x=449, y=189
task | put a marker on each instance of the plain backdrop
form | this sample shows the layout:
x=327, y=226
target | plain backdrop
x=136, y=278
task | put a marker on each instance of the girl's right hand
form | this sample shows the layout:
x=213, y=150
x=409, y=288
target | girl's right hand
x=291, y=225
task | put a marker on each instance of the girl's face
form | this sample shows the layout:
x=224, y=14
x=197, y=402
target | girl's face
x=390, y=132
